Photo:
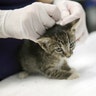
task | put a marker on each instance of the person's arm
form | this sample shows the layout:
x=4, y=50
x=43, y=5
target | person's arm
x=29, y=22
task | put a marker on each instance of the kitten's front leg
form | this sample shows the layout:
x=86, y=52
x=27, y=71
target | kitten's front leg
x=66, y=67
x=74, y=75
x=51, y=72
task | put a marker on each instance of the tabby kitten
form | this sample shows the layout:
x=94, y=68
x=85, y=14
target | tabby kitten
x=49, y=55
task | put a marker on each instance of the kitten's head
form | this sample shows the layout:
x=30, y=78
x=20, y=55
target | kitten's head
x=59, y=40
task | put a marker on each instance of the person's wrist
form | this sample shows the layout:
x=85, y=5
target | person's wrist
x=12, y=26
x=3, y=15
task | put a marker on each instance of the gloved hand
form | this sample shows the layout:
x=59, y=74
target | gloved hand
x=70, y=11
x=29, y=22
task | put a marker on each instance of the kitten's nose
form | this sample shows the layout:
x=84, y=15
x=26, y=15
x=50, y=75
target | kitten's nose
x=68, y=55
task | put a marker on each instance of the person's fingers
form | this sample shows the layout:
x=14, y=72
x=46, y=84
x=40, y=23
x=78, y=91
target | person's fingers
x=53, y=11
x=69, y=19
x=46, y=20
x=48, y=14
x=63, y=9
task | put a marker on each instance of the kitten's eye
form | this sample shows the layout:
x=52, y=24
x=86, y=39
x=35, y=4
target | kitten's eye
x=71, y=45
x=58, y=49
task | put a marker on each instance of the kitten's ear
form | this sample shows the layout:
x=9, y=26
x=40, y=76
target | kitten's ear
x=74, y=22
x=71, y=25
x=43, y=42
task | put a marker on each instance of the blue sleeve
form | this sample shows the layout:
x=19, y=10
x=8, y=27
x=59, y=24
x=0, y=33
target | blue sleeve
x=14, y=4
x=89, y=3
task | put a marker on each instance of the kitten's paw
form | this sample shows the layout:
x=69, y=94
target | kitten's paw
x=73, y=70
x=73, y=76
x=23, y=75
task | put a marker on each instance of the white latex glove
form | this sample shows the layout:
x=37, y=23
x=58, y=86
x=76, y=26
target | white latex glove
x=29, y=22
x=71, y=10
